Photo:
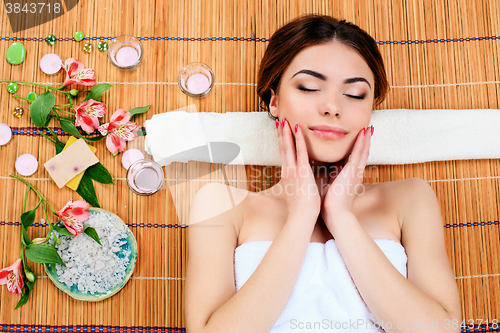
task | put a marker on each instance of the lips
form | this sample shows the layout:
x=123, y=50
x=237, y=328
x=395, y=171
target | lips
x=328, y=131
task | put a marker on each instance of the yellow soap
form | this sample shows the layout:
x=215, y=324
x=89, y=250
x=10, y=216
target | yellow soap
x=73, y=183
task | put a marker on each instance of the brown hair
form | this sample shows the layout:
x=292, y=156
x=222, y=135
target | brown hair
x=311, y=30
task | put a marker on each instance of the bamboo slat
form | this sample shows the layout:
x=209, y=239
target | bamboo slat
x=438, y=55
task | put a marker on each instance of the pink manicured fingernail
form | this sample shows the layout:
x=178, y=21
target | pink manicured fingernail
x=283, y=123
x=373, y=129
x=296, y=126
x=277, y=123
x=364, y=131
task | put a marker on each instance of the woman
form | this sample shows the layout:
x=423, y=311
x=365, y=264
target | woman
x=320, y=247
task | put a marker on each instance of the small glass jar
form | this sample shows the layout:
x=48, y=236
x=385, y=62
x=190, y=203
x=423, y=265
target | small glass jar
x=145, y=177
x=125, y=52
x=196, y=79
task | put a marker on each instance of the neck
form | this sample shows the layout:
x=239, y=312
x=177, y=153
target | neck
x=323, y=172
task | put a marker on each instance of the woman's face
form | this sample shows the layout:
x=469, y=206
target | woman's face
x=327, y=84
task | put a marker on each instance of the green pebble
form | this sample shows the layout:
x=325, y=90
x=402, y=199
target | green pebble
x=78, y=36
x=102, y=46
x=16, y=53
x=51, y=39
x=12, y=88
x=31, y=97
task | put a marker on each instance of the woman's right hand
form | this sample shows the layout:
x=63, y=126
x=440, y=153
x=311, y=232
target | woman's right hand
x=297, y=179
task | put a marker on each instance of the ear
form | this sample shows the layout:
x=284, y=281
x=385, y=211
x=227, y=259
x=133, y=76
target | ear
x=273, y=104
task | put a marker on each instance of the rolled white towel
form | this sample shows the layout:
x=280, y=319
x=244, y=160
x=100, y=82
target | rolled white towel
x=401, y=136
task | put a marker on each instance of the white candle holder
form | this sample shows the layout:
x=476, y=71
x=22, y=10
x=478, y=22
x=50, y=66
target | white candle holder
x=125, y=52
x=196, y=79
x=145, y=177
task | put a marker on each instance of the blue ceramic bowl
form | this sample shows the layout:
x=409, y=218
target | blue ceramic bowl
x=73, y=291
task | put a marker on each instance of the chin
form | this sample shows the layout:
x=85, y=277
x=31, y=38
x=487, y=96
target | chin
x=323, y=160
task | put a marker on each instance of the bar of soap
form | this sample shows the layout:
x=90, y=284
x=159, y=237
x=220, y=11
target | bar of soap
x=70, y=162
x=73, y=183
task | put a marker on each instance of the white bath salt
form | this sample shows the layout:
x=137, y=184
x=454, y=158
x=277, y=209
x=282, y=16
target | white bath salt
x=91, y=267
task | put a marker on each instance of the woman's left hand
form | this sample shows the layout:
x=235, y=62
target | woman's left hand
x=338, y=194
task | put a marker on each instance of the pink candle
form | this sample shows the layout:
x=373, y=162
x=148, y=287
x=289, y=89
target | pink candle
x=127, y=56
x=50, y=63
x=26, y=164
x=5, y=134
x=130, y=156
x=198, y=83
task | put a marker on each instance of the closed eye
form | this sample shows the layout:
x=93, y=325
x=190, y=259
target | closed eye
x=356, y=97
x=307, y=89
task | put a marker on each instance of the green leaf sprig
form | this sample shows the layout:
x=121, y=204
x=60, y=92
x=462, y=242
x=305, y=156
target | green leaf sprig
x=37, y=250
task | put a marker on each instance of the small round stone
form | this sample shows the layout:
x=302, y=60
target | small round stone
x=12, y=88
x=87, y=48
x=16, y=53
x=31, y=97
x=102, y=46
x=51, y=39
x=18, y=112
x=78, y=36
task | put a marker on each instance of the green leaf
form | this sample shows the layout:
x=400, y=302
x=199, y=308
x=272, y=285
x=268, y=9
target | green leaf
x=94, y=138
x=70, y=128
x=43, y=253
x=99, y=173
x=138, y=110
x=24, y=298
x=41, y=107
x=59, y=147
x=62, y=230
x=92, y=234
x=97, y=91
x=86, y=190
x=25, y=239
x=27, y=218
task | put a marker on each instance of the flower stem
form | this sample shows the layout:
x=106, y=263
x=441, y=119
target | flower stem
x=63, y=110
x=25, y=199
x=34, y=84
x=34, y=189
x=21, y=98
x=41, y=133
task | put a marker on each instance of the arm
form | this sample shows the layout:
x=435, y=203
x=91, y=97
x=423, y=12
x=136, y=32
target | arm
x=430, y=293
x=211, y=304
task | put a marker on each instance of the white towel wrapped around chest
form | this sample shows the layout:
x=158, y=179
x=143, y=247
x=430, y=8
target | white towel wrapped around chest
x=249, y=138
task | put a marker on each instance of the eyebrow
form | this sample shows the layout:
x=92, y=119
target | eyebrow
x=322, y=77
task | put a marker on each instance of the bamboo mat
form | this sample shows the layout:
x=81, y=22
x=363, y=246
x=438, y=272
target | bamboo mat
x=438, y=54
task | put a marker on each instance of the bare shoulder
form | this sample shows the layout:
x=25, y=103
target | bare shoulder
x=401, y=195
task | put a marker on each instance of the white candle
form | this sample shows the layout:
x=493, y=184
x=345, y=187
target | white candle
x=5, y=134
x=130, y=156
x=127, y=56
x=26, y=164
x=197, y=83
x=50, y=63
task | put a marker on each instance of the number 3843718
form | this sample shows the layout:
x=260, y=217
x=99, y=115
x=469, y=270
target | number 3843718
x=473, y=323
x=33, y=8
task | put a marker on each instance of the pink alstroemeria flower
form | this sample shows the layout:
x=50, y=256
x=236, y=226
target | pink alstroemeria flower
x=87, y=115
x=12, y=276
x=118, y=130
x=76, y=73
x=73, y=214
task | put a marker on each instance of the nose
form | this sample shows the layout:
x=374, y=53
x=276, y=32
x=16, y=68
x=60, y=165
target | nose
x=331, y=106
